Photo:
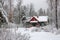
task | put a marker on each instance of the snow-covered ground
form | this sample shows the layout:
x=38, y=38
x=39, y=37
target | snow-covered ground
x=33, y=33
x=36, y=35
x=44, y=36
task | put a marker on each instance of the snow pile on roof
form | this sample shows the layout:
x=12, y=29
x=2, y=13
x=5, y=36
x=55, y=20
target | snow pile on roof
x=33, y=21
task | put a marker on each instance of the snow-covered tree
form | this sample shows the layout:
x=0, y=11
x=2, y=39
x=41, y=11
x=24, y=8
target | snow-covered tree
x=54, y=11
x=8, y=34
x=40, y=12
x=32, y=11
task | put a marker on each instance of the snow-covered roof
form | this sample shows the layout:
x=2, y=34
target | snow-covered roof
x=42, y=18
x=39, y=18
x=28, y=19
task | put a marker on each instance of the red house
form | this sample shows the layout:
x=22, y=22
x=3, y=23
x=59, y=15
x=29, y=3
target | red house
x=37, y=21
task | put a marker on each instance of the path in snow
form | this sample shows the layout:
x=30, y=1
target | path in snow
x=39, y=35
x=44, y=36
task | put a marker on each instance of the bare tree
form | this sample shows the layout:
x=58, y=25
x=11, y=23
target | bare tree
x=50, y=3
x=56, y=14
x=10, y=11
x=53, y=4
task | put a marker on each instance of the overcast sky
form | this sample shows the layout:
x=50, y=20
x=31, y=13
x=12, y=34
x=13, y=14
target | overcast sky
x=37, y=3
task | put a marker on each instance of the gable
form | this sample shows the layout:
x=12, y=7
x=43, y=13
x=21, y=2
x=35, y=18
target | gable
x=33, y=19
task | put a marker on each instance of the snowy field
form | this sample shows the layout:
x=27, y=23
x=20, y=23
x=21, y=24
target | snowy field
x=36, y=35
x=44, y=36
x=41, y=35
